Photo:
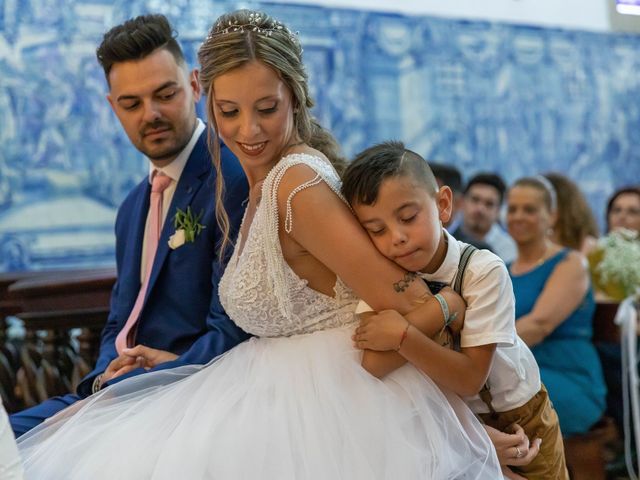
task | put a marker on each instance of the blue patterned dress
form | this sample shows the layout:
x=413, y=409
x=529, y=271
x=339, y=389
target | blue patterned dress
x=569, y=364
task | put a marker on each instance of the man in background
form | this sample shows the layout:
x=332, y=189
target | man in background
x=483, y=197
x=450, y=176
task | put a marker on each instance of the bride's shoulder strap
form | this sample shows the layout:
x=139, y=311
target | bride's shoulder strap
x=299, y=165
x=299, y=179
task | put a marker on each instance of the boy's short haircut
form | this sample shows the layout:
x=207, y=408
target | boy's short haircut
x=487, y=178
x=362, y=179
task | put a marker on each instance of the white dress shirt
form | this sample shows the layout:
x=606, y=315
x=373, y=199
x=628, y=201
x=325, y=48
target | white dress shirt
x=514, y=377
x=501, y=243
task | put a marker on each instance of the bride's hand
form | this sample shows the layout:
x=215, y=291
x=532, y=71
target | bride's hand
x=513, y=449
x=380, y=331
x=148, y=357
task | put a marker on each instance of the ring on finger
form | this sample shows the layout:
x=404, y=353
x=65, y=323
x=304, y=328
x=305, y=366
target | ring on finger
x=519, y=453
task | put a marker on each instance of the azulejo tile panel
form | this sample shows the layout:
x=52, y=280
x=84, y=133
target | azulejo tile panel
x=483, y=96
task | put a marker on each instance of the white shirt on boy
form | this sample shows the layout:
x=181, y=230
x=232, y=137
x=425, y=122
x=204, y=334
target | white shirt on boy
x=514, y=377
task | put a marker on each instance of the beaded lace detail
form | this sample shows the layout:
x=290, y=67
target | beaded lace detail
x=259, y=290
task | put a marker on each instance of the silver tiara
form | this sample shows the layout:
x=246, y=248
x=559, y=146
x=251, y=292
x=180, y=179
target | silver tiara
x=222, y=28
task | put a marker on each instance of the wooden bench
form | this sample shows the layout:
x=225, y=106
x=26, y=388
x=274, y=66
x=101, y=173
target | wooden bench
x=586, y=454
x=9, y=351
x=604, y=330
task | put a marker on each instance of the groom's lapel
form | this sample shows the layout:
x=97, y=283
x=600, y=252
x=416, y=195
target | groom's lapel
x=194, y=174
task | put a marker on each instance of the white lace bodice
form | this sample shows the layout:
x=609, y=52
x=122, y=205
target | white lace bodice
x=259, y=290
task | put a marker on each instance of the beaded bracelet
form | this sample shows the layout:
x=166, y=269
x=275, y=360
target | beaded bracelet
x=448, y=318
x=404, y=335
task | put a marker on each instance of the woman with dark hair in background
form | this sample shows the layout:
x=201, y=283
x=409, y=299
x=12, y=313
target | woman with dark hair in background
x=623, y=212
x=623, y=209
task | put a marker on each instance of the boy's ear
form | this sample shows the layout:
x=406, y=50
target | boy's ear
x=444, y=200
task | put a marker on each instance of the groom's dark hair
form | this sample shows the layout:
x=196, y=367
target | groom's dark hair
x=363, y=177
x=135, y=39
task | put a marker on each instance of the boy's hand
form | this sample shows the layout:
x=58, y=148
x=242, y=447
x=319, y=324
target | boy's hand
x=380, y=331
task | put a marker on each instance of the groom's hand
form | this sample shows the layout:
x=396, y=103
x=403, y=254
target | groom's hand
x=147, y=357
x=119, y=366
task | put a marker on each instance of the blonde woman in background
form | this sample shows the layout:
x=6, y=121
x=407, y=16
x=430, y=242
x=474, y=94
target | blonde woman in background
x=554, y=307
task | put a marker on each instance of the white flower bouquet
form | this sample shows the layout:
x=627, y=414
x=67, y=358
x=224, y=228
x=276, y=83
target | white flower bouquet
x=615, y=264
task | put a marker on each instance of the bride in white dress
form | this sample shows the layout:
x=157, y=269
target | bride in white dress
x=294, y=401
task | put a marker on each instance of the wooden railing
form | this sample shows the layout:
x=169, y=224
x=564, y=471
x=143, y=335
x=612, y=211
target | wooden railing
x=63, y=313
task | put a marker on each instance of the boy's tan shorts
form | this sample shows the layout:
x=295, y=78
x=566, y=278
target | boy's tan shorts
x=538, y=419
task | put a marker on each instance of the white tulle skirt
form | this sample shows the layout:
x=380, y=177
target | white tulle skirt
x=271, y=408
x=10, y=465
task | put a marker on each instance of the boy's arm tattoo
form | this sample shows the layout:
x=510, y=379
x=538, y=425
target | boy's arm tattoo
x=401, y=285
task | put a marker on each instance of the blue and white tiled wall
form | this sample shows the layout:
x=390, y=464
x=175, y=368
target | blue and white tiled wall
x=483, y=96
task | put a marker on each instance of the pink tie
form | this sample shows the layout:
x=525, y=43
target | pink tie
x=126, y=337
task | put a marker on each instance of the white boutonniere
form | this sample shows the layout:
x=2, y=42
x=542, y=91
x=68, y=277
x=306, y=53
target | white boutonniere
x=187, y=228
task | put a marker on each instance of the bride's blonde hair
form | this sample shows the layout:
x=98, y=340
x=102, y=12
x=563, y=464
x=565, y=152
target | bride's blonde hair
x=236, y=39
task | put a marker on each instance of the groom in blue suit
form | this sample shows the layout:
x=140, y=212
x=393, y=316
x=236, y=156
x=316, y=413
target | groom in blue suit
x=170, y=314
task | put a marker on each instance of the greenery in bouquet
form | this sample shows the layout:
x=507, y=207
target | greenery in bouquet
x=615, y=264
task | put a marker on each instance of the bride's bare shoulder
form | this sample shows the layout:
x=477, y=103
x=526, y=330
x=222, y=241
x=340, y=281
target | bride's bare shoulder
x=308, y=150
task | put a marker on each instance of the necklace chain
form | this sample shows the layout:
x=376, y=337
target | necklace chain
x=540, y=260
x=536, y=263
